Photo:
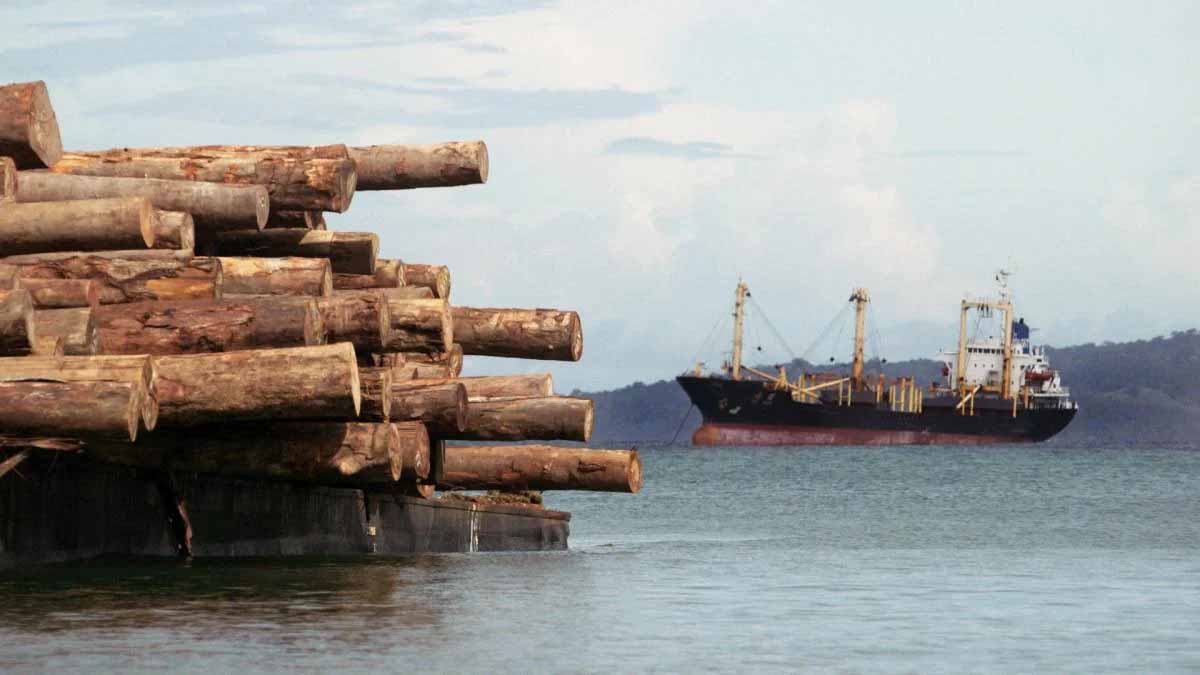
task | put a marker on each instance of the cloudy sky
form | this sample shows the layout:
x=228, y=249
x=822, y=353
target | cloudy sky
x=643, y=155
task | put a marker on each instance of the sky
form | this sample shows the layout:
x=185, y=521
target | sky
x=644, y=155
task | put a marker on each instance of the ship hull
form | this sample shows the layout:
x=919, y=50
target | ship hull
x=750, y=413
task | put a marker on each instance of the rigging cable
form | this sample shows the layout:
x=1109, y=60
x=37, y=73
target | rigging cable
x=824, y=334
x=771, y=326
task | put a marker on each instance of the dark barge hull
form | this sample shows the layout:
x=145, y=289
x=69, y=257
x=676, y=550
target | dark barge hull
x=58, y=508
x=747, y=412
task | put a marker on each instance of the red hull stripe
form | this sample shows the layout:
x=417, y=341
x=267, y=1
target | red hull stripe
x=770, y=434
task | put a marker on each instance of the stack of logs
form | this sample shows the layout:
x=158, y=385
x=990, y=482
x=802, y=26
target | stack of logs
x=185, y=308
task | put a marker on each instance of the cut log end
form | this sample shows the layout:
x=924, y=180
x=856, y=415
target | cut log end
x=31, y=137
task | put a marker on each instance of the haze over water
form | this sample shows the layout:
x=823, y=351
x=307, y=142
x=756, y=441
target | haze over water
x=864, y=559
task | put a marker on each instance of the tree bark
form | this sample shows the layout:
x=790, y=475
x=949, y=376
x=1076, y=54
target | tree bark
x=401, y=293
x=420, y=326
x=18, y=330
x=507, y=386
x=542, y=418
x=123, y=281
x=430, y=371
x=214, y=206
x=175, y=230
x=363, y=318
x=348, y=252
x=376, y=387
x=441, y=406
x=414, y=446
x=10, y=277
x=299, y=383
x=84, y=225
x=324, y=453
x=401, y=167
x=388, y=274
x=28, y=126
x=293, y=184
x=308, y=220
x=200, y=326
x=137, y=255
x=62, y=293
x=547, y=334
x=100, y=408
x=540, y=467
x=276, y=276
x=138, y=370
x=434, y=277
x=75, y=328
x=452, y=360
x=8, y=179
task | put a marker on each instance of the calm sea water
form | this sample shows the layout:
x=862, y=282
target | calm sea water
x=848, y=559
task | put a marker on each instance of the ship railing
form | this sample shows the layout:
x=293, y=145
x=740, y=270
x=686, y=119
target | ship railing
x=969, y=398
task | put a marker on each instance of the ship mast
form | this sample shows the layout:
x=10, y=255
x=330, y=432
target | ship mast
x=860, y=298
x=1005, y=307
x=739, y=315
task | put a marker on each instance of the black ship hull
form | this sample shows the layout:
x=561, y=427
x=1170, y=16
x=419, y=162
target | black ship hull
x=747, y=412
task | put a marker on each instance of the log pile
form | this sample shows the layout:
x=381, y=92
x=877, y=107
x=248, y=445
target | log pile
x=186, y=309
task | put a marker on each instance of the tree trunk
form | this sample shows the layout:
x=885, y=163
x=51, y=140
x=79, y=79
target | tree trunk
x=139, y=370
x=348, y=252
x=363, y=318
x=376, y=387
x=308, y=220
x=84, y=225
x=400, y=167
x=547, y=334
x=543, y=418
x=101, y=408
x=388, y=274
x=434, y=277
x=18, y=329
x=293, y=152
x=420, y=326
x=414, y=445
x=442, y=406
x=200, y=326
x=175, y=230
x=540, y=467
x=298, y=383
x=507, y=386
x=324, y=453
x=28, y=127
x=276, y=276
x=137, y=255
x=63, y=293
x=75, y=327
x=8, y=179
x=293, y=184
x=213, y=205
x=401, y=293
x=123, y=281
x=430, y=371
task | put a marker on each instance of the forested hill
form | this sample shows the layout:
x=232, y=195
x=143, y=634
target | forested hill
x=1143, y=392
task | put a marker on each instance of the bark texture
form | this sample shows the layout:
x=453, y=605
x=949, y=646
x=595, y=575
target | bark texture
x=452, y=359
x=434, y=277
x=214, y=206
x=540, y=467
x=10, y=277
x=62, y=293
x=17, y=328
x=138, y=370
x=143, y=254
x=28, y=127
x=388, y=274
x=175, y=230
x=441, y=406
x=276, y=276
x=83, y=225
x=404, y=292
x=123, y=281
x=376, y=387
x=414, y=446
x=8, y=179
x=547, y=334
x=400, y=167
x=542, y=418
x=102, y=408
x=298, y=383
x=420, y=326
x=508, y=386
x=75, y=328
x=362, y=318
x=348, y=252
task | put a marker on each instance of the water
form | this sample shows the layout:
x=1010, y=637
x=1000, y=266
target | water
x=848, y=559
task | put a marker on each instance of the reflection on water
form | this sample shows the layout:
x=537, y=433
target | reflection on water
x=869, y=559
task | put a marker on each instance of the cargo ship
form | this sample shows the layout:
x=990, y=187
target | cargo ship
x=998, y=389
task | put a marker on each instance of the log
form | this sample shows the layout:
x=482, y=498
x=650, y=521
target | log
x=318, y=382
x=10, y=277
x=308, y=220
x=420, y=326
x=376, y=387
x=276, y=276
x=62, y=293
x=434, y=277
x=138, y=370
x=8, y=179
x=214, y=206
x=430, y=371
x=123, y=281
x=441, y=406
x=401, y=293
x=414, y=446
x=452, y=360
x=363, y=319
x=540, y=467
x=75, y=328
x=18, y=330
x=175, y=230
x=508, y=386
x=95, y=408
x=200, y=326
x=547, y=334
x=158, y=254
x=28, y=127
x=541, y=418
x=401, y=167
x=83, y=225
x=325, y=453
x=293, y=152
x=348, y=252
x=388, y=274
